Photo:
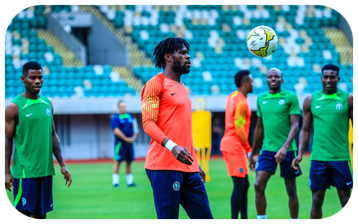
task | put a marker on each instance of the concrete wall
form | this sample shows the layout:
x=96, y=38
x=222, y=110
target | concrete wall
x=103, y=46
x=54, y=24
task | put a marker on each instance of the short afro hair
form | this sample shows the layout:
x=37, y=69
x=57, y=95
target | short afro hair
x=331, y=67
x=241, y=77
x=30, y=65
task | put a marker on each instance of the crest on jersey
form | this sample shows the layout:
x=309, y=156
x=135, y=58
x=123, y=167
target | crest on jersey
x=339, y=106
x=281, y=102
x=48, y=112
x=176, y=186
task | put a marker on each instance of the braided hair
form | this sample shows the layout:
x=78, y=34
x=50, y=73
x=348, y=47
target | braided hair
x=168, y=46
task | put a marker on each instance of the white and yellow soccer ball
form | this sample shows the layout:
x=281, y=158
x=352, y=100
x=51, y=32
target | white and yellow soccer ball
x=262, y=41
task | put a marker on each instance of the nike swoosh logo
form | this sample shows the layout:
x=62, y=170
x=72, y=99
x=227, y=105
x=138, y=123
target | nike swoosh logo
x=51, y=205
x=318, y=106
x=348, y=183
x=264, y=102
x=28, y=115
x=173, y=94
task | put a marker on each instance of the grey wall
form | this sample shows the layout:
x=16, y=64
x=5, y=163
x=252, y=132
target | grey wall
x=103, y=45
x=56, y=26
x=91, y=136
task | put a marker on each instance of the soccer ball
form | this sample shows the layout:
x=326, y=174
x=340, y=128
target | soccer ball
x=262, y=41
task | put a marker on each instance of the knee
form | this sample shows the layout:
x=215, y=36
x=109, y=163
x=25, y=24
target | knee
x=317, y=201
x=291, y=191
x=344, y=200
x=259, y=187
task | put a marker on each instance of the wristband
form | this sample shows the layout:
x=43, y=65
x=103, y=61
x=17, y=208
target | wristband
x=170, y=145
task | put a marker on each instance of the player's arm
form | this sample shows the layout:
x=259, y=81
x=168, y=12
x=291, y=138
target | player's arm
x=258, y=136
x=240, y=121
x=122, y=136
x=150, y=100
x=135, y=128
x=11, y=117
x=305, y=131
x=350, y=106
x=281, y=153
x=57, y=152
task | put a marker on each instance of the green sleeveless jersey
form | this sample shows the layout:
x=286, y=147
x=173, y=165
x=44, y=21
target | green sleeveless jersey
x=33, y=138
x=330, y=126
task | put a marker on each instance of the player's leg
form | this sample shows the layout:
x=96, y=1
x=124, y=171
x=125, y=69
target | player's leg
x=262, y=178
x=193, y=197
x=265, y=168
x=290, y=174
x=292, y=197
x=237, y=196
x=129, y=158
x=243, y=211
x=118, y=158
x=115, y=175
x=237, y=168
x=317, y=202
x=166, y=185
x=342, y=179
x=319, y=181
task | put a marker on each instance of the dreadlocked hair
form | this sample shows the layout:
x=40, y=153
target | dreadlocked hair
x=168, y=46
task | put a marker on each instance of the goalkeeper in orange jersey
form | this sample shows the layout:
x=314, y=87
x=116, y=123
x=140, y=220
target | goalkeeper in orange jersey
x=171, y=163
x=235, y=144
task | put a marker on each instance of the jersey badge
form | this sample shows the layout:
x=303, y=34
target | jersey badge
x=48, y=112
x=339, y=106
x=281, y=102
x=176, y=186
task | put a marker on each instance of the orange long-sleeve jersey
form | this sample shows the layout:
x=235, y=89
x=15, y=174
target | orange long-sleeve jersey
x=166, y=112
x=237, y=125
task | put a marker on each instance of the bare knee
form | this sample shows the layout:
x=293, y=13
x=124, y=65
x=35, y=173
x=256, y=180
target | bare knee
x=317, y=201
x=259, y=187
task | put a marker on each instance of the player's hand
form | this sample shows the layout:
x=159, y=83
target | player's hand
x=66, y=175
x=281, y=155
x=129, y=140
x=9, y=181
x=202, y=174
x=252, y=163
x=182, y=154
x=296, y=161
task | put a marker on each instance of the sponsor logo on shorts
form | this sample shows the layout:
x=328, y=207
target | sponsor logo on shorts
x=348, y=183
x=257, y=164
x=23, y=201
x=297, y=172
x=176, y=186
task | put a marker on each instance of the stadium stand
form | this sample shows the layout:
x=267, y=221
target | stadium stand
x=217, y=36
x=308, y=38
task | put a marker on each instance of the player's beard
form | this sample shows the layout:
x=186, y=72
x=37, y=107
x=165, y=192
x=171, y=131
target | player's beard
x=180, y=69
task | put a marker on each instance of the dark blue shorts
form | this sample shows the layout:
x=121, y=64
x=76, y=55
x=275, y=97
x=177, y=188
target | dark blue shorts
x=171, y=188
x=124, y=152
x=267, y=162
x=325, y=174
x=33, y=195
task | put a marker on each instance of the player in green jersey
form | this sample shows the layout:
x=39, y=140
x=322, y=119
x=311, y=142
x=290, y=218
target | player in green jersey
x=29, y=122
x=277, y=124
x=330, y=110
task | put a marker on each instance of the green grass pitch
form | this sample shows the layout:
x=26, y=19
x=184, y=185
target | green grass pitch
x=92, y=196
